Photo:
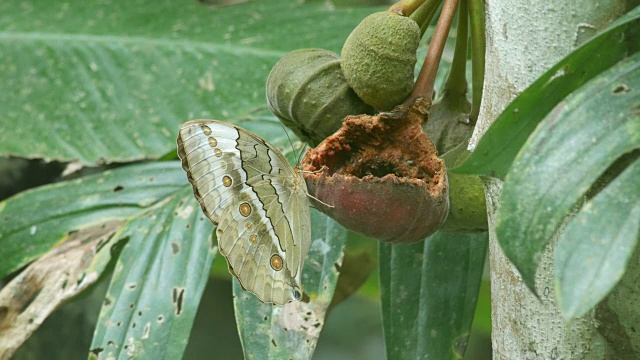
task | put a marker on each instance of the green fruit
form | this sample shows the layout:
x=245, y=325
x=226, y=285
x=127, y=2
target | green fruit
x=379, y=57
x=449, y=128
x=467, y=205
x=308, y=93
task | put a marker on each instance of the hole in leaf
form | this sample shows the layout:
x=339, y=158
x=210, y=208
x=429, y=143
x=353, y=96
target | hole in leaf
x=175, y=248
x=4, y=310
x=29, y=296
x=178, y=298
x=96, y=351
x=146, y=330
x=621, y=89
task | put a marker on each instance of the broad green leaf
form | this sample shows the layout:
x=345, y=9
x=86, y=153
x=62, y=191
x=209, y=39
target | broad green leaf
x=291, y=331
x=111, y=81
x=574, y=145
x=56, y=277
x=593, y=251
x=429, y=291
x=33, y=221
x=499, y=146
x=157, y=283
x=162, y=270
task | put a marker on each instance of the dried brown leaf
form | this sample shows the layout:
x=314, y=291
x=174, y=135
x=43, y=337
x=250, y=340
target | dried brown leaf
x=65, y=271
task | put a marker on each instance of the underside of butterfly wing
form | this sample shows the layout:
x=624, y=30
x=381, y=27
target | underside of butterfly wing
x=246, y=186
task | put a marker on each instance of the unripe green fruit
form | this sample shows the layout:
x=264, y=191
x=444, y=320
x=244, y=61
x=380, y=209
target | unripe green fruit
x=467, y=205
x=379, y=57
x=308, y=93
x=449, y=129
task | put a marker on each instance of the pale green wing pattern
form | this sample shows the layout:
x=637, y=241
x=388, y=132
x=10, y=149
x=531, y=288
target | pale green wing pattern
x=259, y=202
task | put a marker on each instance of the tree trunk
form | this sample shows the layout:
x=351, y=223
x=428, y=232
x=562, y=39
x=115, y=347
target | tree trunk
x=524, y=39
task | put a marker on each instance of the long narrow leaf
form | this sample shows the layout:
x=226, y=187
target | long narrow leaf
x=162, y=270
x=499, y=146
x=32, y=222
x=594, y=250
x=157, y=283
x=429, y=292
x=110, y=81
x=291, y=331
x=568, y=152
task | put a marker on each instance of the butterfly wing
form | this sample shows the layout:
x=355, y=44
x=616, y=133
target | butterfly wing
x=259, y=202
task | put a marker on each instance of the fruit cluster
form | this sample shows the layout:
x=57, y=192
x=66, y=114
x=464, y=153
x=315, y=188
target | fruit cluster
x=374, y=169
x=312, y=90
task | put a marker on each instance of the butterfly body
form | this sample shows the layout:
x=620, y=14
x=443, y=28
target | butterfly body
x=258, y=201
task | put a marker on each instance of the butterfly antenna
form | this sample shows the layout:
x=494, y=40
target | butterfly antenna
x=307, y=142
x=302, y=151
x=290, y=142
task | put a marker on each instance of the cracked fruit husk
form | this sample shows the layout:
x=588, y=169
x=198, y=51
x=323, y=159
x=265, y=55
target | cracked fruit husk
x=380, y=176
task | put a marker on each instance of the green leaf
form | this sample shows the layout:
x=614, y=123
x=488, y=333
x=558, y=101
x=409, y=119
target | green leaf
x=162, y=269
x=103, y=82
x=291, y=331
x=594, y=250
x=429, y=291
x=574, y=145
x=499, y=146
x=157, y=283
x=33, y=221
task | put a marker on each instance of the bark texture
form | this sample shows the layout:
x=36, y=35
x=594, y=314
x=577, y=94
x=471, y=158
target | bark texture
x=524, y=39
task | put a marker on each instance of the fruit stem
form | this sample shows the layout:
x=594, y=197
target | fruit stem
x=478, y=44
x=424, y=14
x=406, y=7
x=457, y=79
x=427, y=76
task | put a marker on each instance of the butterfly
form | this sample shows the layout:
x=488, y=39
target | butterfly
x=258, y=201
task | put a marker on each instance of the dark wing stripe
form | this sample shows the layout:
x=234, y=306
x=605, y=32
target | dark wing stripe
x=255, y=162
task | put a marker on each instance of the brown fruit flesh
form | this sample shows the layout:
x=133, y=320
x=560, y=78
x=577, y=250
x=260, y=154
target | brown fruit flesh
x=380, y=176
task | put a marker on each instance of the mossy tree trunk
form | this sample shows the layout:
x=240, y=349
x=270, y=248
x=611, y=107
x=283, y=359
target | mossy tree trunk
x=524, y=39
